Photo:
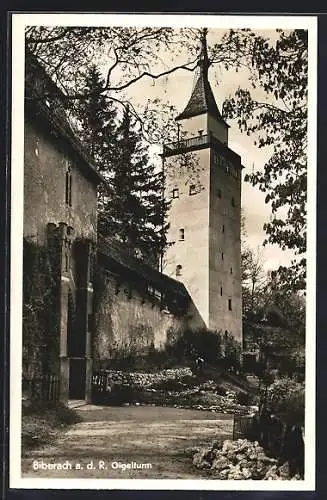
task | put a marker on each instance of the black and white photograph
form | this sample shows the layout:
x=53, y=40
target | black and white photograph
x=163, y=251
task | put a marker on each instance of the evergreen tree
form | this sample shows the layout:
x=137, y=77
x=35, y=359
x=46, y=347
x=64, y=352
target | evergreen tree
x=135, y=214
x=97, y=122
x=131, y=209
x=97, y=127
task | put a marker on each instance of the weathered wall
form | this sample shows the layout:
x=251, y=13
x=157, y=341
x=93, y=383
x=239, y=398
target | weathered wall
x=191, y=213
x=45, y=206
x=126, y=320
x=45, y=165
x=191, y=127
x=225, y=247
x=210, y=215
x=218, y=129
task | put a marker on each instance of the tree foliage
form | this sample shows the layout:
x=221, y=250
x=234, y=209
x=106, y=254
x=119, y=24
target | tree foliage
x=126, y=56
x=253, y=280
x=278, y=122
x=137, y=211
x=286, y=398
x=131, y=208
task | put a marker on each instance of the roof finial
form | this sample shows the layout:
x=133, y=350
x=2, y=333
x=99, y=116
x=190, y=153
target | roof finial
x=204, y=62
x=202, y=99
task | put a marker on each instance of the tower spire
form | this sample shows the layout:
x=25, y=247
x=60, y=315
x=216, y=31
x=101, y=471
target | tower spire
x=204, y=62
x=202, y=99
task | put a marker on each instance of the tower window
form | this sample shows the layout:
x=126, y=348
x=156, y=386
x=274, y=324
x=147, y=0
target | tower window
x=68, y=187
x=222, y=256
x=175, y=193
x=179, y=270
x=223, y=228
x=221, y=291
x=229, y=304
x=219, y=193
x=233, y=202
x=231, y=270
x=181, y=235
x=192, y=189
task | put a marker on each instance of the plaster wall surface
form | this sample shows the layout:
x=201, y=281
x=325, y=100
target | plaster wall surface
x=205, y=193
x=128, y=321
x=218, y=129
x=225, y=301
x=189, y=212
x=190, y=127
x=45, y=165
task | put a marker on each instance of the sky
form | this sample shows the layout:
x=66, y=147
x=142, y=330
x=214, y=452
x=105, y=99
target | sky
x=177, y=88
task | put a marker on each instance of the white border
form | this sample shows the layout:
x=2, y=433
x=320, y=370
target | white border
x=19, y=21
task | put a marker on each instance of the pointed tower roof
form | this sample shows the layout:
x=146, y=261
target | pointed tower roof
x=202, y=99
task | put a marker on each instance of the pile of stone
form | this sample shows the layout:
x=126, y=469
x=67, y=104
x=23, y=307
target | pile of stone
x=216, y=403
x=153, y=388
x=140, y=380
x=241, y=459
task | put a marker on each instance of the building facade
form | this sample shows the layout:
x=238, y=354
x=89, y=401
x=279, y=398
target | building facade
x=60, y=237
x=203, y=184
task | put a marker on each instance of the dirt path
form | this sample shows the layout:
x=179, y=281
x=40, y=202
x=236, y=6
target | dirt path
x=109, y=436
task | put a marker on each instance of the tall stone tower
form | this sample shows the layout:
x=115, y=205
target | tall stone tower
x=203, y=183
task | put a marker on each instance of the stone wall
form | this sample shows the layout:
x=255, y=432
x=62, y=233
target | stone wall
x=138, y=380
x=126, y=321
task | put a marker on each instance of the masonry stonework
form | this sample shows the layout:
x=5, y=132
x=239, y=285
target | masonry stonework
x=127, y=321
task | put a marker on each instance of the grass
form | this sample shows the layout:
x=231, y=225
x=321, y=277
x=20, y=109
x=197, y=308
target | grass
x=41, y=422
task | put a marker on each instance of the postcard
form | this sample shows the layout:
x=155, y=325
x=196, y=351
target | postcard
x=163, y=249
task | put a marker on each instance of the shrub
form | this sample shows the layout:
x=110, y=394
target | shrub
x=213, y=346
x=285, y=397
x=35, y=432
x=41, y=420
x=244, y=398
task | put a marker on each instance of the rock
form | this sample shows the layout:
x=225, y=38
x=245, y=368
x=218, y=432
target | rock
x=191, y=451
x=200, y=463
x=246, y=473
x=284, y=471
x=220, y=463
x=217, y=444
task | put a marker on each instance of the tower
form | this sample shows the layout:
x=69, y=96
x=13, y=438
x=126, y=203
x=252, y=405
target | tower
x=203, y=183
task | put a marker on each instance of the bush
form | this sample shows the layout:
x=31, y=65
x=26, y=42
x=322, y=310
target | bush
x=175, y=384
x=41, y=420
x=216, y=348
x=285, y=398
x=36, y=432
x=244, y=398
